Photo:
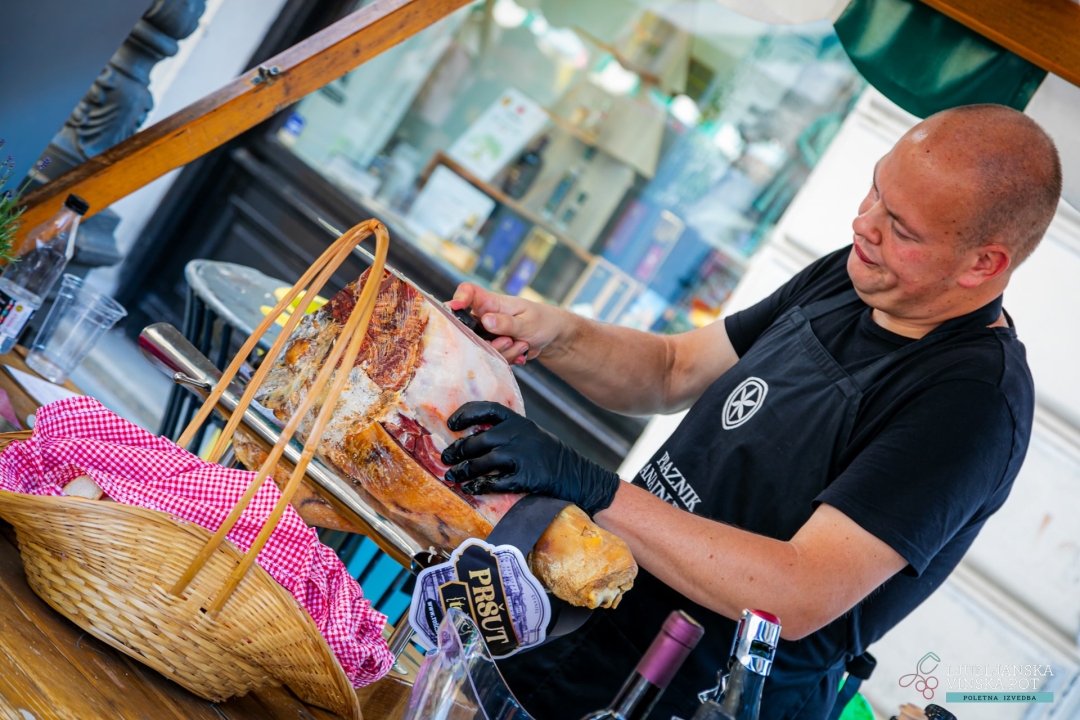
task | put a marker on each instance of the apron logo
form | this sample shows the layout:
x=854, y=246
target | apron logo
x=744, y=401
x=666, y=482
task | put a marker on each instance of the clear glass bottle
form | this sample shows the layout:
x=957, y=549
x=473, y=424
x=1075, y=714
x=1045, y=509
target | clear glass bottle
x=738, y=694
x=679, y=635
x=566, y=184
x=25, y=283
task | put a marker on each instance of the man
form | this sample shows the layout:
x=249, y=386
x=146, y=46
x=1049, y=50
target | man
x=847, y=439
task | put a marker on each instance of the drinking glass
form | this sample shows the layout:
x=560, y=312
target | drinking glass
x=77, y=320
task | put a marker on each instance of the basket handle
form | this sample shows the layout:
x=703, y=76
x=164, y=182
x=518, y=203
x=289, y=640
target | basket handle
x=345, y=351
x=328, y=262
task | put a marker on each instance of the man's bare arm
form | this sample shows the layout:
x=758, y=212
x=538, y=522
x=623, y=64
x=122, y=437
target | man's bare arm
x=618, y=368
x=826, y=569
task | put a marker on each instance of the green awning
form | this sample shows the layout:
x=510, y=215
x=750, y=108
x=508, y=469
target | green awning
x=925, y=61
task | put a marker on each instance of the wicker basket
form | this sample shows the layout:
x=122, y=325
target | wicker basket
x=94, y=562
x=169, y=594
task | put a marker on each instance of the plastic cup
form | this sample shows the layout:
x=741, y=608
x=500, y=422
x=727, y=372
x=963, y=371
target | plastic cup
x=77, y=320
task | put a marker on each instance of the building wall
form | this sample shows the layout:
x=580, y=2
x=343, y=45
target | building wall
x=50, y=53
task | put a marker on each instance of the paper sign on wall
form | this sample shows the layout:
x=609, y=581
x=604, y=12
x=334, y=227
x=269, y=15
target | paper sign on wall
x=448, y=203
x=499, y=135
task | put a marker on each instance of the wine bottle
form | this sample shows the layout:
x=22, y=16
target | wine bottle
x=521, y=175
x=661, y=661
x=752, y=654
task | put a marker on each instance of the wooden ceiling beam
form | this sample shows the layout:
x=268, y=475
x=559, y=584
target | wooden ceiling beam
x=239, y=106
x=1043, y=32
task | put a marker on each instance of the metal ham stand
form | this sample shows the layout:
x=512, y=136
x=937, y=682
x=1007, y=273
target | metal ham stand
x=168, y=350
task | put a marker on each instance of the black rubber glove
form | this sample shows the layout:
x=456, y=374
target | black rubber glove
x=518, y=456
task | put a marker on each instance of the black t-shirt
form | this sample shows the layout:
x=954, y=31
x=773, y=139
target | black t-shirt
x=936, y=443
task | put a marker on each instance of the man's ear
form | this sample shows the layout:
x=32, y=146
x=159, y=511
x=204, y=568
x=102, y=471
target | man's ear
x=986, y=263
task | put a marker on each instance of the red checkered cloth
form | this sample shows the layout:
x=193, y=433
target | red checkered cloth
x=78, y=436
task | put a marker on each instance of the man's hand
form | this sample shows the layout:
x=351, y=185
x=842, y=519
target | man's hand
x=525, y=328
x=517, y=456
x=628, y=371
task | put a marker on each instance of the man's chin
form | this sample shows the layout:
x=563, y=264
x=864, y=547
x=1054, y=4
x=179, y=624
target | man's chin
x=857, y=270
x=867, y=281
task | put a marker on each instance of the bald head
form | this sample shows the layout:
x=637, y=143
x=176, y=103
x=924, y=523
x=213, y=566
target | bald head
x=1010, y=164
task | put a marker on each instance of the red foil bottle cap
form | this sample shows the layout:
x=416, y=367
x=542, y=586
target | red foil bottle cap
x=766, y=616
x=756, y=638
x=680, y=634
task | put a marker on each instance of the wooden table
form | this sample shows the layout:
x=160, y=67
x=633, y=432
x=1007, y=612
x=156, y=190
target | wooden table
x=51, y=669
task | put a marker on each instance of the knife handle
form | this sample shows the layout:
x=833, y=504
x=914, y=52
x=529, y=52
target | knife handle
x=473, y=323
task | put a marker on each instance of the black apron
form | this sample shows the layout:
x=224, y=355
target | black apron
x=754, y=452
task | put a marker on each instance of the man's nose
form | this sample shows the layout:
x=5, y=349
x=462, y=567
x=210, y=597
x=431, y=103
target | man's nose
x=866, y=225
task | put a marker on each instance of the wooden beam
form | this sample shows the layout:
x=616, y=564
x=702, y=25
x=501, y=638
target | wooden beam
x=1043, y=32
x=239, y=106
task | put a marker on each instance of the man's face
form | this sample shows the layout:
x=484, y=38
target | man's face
x=911, y=234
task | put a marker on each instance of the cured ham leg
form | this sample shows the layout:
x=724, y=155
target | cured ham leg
x=417, y=365
x=312, y=507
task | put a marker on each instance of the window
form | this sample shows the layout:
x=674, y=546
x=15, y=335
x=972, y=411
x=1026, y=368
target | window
x=619, y=161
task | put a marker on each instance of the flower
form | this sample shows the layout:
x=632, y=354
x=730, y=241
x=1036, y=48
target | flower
x=9, y=205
